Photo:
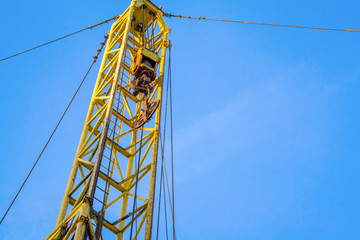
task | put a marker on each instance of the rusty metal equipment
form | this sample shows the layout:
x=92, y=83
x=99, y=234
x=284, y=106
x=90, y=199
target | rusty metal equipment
x=138, y=65
x=143, y=67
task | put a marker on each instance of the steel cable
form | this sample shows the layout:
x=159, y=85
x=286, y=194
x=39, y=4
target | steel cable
x=162, y=145
x=166, y=225
x=260, y=23
x=53, y=132
x=41, y=45
x=167, y=183
x=158, y=220
x=172, y=147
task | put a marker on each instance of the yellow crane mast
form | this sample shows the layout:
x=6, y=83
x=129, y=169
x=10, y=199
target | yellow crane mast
x=116, y=159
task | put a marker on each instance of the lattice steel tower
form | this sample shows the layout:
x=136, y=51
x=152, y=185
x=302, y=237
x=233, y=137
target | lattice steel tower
x=115, y=156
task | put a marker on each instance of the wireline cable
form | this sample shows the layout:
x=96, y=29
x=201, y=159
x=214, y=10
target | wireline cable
x=260, y=23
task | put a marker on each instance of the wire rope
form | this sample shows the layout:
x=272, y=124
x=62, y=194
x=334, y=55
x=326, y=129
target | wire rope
x=167, y=183
x=166, y=225
x=162, y=153
x=60, y=38
x=159, y=207
x=163, y=167
x=53, y=132
x=261, y=23
x=172, y=146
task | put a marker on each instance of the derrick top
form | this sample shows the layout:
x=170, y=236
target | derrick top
x=150, y=4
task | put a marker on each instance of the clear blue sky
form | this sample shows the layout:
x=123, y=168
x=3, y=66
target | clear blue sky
x=267, y=133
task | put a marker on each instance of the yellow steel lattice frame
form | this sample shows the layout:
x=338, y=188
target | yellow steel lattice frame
x=104, y=160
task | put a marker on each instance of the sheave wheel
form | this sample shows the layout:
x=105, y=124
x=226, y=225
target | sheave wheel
x=141, y=120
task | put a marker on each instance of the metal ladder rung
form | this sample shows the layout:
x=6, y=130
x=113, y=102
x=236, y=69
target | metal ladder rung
x=102, y=190
x=105, y=167
x=98, y=200
x=110, y=129
x=117, y=109
x=118, y=101
x=114, y=124
x=112, y=132
x=108, y=158
x=108, y=146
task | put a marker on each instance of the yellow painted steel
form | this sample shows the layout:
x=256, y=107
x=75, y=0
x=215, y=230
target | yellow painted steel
x=102, y=181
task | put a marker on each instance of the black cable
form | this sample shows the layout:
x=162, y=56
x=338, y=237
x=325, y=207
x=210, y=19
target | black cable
x=162, y=153
x=166, y=225
x=162, y=145
x=28, y=50
x=57, y=125
x=168, y=188
x=259, y=23
x=158, y=220
x=172, y=146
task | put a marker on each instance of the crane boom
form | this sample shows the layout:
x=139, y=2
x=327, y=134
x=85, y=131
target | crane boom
x=112, y=181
